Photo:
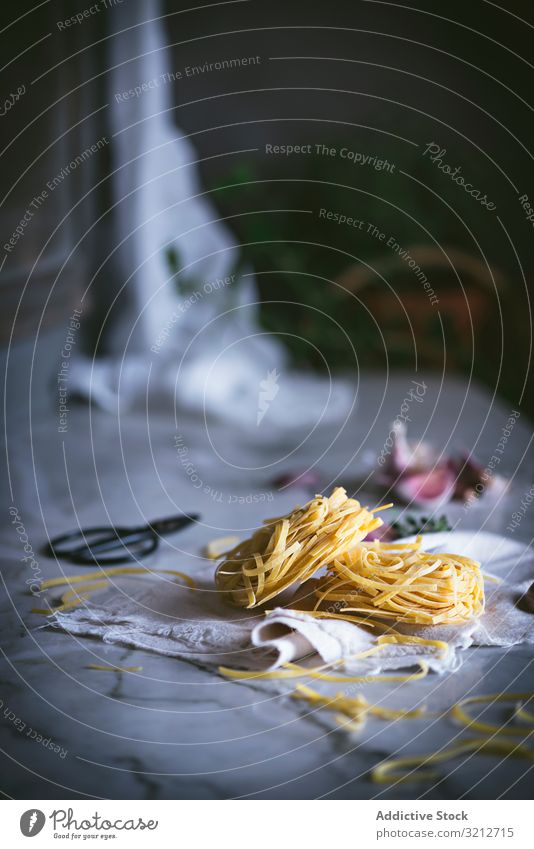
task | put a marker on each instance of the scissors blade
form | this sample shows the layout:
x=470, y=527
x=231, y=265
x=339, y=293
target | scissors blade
x=116, y=539
x=174, y=523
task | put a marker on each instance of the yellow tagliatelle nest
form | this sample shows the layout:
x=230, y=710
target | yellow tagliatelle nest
x=289, y=549
x=403, y=583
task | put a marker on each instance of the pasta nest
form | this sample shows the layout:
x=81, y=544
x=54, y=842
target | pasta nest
x=289, y=549
x=404, y=583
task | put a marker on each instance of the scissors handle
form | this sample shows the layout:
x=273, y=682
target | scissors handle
x=94, y=545
x=175, y=523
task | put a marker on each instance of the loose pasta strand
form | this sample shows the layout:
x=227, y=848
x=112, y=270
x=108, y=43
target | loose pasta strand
x=409, y=768
x=459, y=713
x=352, y=711
x=294, y=670
x=88, y=583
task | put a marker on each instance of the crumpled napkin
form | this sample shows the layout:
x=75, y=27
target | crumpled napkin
x=158, y=614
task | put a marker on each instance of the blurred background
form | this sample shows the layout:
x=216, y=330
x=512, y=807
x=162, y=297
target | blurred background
x=366, y=77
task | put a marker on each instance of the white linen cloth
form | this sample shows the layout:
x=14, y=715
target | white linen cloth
x=158, y=614
x=192, y=336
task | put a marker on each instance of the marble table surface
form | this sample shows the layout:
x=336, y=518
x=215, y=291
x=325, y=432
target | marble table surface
x=175, y=729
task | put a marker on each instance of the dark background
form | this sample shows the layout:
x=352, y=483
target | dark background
x=455, y=73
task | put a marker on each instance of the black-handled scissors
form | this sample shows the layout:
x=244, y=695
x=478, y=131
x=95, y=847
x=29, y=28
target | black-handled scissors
x=99, y=545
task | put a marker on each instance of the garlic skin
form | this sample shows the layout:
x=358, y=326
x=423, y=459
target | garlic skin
x=428, y=488
x=419, y=475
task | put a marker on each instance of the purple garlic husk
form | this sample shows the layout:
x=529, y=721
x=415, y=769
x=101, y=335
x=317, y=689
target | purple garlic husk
x=427, y=488
x=385, y=533
x=405, y=455
x=414, y=472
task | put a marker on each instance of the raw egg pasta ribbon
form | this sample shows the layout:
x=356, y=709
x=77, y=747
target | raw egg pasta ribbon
x=289, y=549
x=412, y=768
x=353, y=711
x=403, y=583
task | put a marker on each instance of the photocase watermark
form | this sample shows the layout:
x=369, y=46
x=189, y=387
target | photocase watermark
x=31, y=733
x=10, y=101
x=519, y=514
x=488, y=473
x=391, y=243
x=527, y=208
x=34, y=580
x=80, y=17
x=341, y=218
x=268, y=391
x=369, y=227
x=63, y=373
x=38, y=200
x=65, y=819
x=356, y=157
x=436, y=155
x=32, y=822
x=197, y=482
x=185, y=305
x=78, y=160
x=65, y=824
x=415, y=393
x=186, y=73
